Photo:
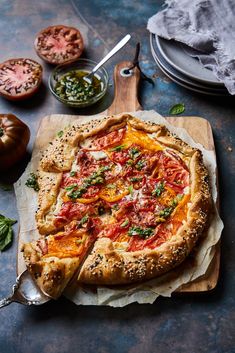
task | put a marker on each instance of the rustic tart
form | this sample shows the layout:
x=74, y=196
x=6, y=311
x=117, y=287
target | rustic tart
x=120, y=201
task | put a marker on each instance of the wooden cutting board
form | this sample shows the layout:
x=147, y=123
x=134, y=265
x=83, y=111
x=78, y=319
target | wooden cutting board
x=126, y=99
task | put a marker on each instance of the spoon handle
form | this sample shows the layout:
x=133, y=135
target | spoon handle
x=5, y=302
x=117, y=47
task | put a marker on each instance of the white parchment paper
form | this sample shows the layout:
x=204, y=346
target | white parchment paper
x=194, y=267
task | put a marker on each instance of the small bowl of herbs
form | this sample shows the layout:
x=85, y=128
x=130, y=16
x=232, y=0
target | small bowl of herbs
x=69, y=85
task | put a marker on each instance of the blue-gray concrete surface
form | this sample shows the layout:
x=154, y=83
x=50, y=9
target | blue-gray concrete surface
x=187, y=323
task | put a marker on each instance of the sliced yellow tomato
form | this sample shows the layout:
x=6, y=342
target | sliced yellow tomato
x=140, y=138
x=92, y=199
x=180, y=211
x=123, y=238
x=167, y=196
x=71, y=245
x=114, y=192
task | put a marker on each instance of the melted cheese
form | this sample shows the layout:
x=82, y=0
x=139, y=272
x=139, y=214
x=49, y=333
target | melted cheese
x=97, y=155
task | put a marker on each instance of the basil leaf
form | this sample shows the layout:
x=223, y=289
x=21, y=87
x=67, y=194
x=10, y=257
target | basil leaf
x=32, y=182
x=141, y=232
x=131, y=190
x=158, y=189
x=117, y=148
x=134, y=152
x=83, y=220
x=60, y=133
x=6, y=187
x=125, y=223
x=177, y=109
x=134, y=179
x=6, y=232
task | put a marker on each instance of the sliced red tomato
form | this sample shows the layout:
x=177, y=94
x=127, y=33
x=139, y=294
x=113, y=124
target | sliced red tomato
x=147, y=204
x=71, y=210
x=19, y=78
x=59, y=44
x=150, y=185
x=120, y=157
x=111, y=231
x=174, y=171
x=67, y=180
x=160, y=236
x=110, y=139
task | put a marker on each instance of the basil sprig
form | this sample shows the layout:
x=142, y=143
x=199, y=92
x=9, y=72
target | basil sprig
x=6, y=232
x=32, y=182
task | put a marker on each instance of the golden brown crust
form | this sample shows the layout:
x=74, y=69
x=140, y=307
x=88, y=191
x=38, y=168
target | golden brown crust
x=50, y=273
x=49, y=184
x=107, y=263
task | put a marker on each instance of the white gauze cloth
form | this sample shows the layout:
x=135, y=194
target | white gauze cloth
x=208, y=26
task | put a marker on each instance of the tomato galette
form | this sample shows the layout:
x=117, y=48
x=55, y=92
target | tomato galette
x=120, y=201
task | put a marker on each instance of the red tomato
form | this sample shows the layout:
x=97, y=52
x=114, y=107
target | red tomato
x=160, y=236
x=112, y=138
x=120, y=157
x=59, y=44
x=150, y=185
x=91, y=192
x=67, y=180
x=175, y=172
x=19, y=78
x=112, y=231
x=71, y=210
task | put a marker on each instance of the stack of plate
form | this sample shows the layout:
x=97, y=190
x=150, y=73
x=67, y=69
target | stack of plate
x=174, y=61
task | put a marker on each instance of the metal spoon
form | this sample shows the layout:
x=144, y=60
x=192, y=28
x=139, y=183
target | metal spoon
x=25, y=291
x=117, y=47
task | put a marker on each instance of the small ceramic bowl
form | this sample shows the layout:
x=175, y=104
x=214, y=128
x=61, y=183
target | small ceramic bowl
x=83, y=65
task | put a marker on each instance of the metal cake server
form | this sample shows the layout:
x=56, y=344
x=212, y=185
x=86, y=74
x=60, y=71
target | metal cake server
x=25, y=291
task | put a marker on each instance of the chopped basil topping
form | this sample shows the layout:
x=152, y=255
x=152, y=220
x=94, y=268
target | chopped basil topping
x=60, y=133
x=140, y=165
x=32, y=182
x=134, y=179
x=70, y=187
x=1, y=132
x=166, y=212
x=115, y=207
x=111, y=186
x=117, y=148
x=141, y=232
x=125, y=223
x=158, y=189
x=83, y=220
x=130, y=189
x=101, y=210
x=95, y=179
x=134, y=152
x=73, y=173
x=130, y=162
